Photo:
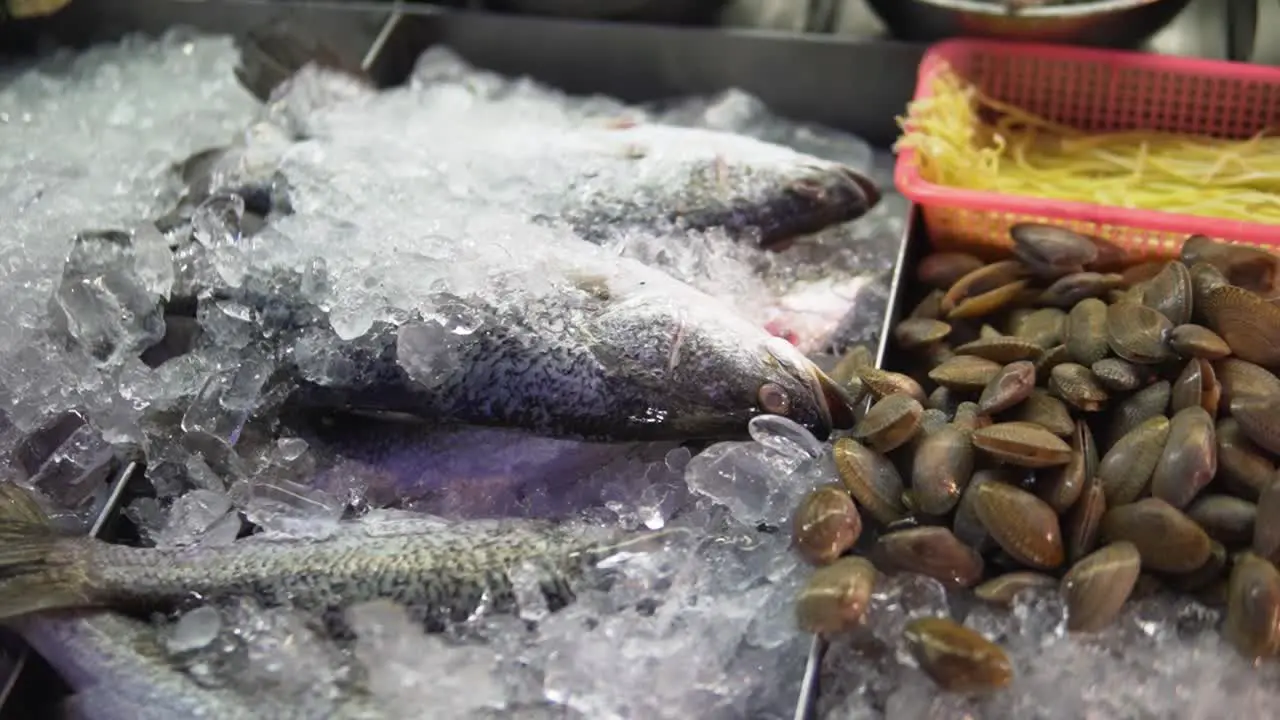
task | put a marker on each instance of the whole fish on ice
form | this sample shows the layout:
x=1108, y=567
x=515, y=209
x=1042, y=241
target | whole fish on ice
x=601, y=178
x=441, y=572
x=598, y=174
x=481, y=318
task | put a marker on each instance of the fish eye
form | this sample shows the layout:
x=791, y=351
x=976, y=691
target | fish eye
x=774, y=399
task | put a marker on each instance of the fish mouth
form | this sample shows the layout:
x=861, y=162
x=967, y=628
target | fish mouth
x=870, y=190
x=830, y=196
x=835, y=403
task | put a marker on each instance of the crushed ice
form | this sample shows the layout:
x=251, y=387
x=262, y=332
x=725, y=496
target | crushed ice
x=700, y=628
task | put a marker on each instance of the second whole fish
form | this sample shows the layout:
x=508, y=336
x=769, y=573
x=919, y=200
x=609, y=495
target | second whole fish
x=442, y=573
x=598, y=174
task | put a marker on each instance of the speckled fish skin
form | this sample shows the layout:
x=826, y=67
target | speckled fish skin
x=621, y=353
x=639, y=175
x=119, y=671
x=651, y=178
x=702, y=179
x=441, y=572
x=596, y=347
x=442, y=575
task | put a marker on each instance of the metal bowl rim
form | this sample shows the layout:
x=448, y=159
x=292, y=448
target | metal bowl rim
x=1075, y=10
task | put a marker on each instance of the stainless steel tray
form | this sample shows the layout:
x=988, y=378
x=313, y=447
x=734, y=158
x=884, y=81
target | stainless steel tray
x=846, y=83
x=915, y=244
x=850, y=84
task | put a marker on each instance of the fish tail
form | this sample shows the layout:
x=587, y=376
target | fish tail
x=40, y=568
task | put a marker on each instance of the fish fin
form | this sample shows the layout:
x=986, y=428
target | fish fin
x=40, y=568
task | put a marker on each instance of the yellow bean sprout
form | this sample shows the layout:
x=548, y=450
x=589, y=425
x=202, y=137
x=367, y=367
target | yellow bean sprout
x=1018, y=153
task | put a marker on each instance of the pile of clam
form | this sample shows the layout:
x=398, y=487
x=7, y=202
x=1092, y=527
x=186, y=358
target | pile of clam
x=1111, y=434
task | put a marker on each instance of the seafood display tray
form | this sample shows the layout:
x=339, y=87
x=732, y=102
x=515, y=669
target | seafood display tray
x=799, y=76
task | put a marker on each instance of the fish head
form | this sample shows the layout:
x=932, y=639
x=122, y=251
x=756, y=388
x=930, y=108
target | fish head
x=791, y=385
x=699, y=370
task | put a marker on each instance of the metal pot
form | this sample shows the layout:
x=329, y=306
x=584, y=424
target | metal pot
x=1105, y=23
x=655, y=11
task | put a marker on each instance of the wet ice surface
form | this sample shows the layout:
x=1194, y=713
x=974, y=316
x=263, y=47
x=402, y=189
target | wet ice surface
x=1163, y=658
x=700, y=629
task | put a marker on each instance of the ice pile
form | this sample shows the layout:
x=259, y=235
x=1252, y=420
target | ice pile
x=88, y=142
x=91, y=283
x=1163, y=658
x=104, y=363
x=701, y=628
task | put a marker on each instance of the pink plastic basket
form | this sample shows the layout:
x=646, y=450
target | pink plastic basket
x=1094, y=90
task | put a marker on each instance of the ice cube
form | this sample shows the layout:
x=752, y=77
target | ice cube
x=36, y=446
x=147, y=516
x=784, y=436
x=194, y=630
x=216, y=226
x=917, y=698
x=286, y=507
x=408, y=668
x=227, y=323
x=756, y=483
x=353, y=318
x=103, y=303
x=296, y=101
x=271, y=657
x=526, y=583
x=79, y=469
x=899, y=599
x=216, y=417
x=321, y=360
x=440, y=64
x=153, y=261
x=200, y=517
x=429, y=351
x=201, y=476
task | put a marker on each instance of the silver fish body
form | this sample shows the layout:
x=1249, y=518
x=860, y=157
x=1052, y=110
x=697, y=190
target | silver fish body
x=602, y=178
x=557, y=337
x=119, y=671
x=565, y=341
x=586, y=362
x=596, y=176
x=441, y=572
x=531, y=330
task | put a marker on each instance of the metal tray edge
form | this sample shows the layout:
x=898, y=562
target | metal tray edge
x=914, y=241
